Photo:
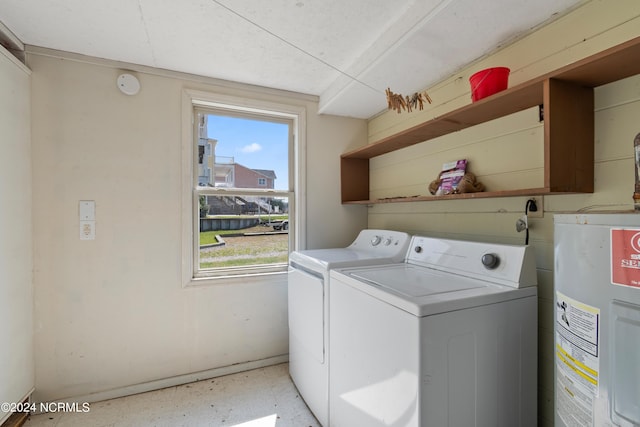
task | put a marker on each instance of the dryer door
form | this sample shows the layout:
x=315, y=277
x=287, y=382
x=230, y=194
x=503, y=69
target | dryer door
x=306, y=312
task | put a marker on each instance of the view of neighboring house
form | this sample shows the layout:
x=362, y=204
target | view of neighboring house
x=253, y=178
x=228, y=173
x=221, y=171
x=206, y=154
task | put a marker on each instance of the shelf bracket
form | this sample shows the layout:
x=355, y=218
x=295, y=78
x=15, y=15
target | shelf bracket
x=541, y=113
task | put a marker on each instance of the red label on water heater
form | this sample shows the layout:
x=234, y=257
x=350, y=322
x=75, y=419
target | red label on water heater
x=625, y=257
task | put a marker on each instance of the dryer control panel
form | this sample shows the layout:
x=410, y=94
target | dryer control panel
x=387, y=242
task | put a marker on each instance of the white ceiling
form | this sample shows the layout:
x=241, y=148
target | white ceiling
x=346, y=52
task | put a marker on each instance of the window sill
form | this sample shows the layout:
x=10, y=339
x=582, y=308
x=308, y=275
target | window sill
x=238, y=279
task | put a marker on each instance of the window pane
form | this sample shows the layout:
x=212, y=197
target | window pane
x=241, y=152
x=242, y=231
x=255, y=234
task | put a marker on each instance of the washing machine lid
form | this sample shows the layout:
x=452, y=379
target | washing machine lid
x=370, y=247
x=423, y=291
x=413, y=282
x=322, y=260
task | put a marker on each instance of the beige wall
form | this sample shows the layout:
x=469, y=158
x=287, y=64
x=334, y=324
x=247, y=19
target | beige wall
x=507, y=154
x=111, y=314
x=16, y=290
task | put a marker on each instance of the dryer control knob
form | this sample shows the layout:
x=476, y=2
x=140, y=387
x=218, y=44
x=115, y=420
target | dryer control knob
x=418, y=249
x=490, y=261
x=387, y=241
x=376, y=241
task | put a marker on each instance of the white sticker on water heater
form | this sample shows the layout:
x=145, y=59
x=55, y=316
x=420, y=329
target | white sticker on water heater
x=578, y=360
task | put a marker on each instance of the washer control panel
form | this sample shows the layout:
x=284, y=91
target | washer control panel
x=511, y=265
x=490, y=261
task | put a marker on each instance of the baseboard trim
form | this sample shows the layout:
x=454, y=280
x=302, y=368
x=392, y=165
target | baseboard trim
x=176, y=381
x=16, y=419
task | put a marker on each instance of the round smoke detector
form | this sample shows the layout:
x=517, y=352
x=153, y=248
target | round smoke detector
x=128, y=84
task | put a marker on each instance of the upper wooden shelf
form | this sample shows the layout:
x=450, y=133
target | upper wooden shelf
x=610, y=65
x=499, y=105
x=567, y=97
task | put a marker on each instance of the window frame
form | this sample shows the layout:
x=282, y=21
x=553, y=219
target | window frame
x=238, y=107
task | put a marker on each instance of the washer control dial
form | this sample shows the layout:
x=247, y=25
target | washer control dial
x=418, y=249
x=376, y=240
x=490, y=261
x=388, y=241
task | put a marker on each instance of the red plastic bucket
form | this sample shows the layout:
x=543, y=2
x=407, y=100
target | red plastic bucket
x=489, y=81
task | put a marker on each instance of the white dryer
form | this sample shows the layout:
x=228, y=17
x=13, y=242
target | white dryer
x=308, y=295
x=448, y=338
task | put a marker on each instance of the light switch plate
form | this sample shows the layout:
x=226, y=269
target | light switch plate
x=87, y=210
x=87, y=217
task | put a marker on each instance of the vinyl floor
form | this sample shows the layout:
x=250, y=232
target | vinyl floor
x=264, y=397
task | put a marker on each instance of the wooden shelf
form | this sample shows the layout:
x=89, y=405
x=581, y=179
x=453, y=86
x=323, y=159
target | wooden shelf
x=510, y=101
x=567, y=98
x=465, y=196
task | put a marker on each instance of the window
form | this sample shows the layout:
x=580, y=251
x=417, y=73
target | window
x=244, y=209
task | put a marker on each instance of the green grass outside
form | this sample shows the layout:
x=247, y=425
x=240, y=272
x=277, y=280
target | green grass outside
x=244, y=251
x=209, y=237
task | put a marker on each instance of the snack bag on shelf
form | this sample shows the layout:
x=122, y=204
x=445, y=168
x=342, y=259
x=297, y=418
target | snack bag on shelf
x=451, y=176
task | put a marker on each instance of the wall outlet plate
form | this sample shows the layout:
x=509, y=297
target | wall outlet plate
x=539, y=213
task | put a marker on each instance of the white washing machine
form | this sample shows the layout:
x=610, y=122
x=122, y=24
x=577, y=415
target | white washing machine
x=448, y=338
x=309, y=307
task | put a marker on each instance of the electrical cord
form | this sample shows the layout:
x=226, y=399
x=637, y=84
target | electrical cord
x=530, y=205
